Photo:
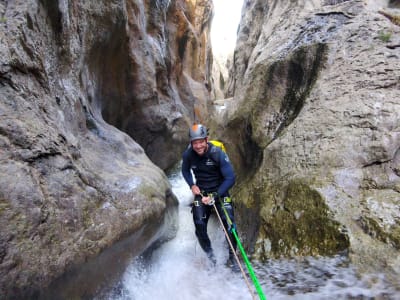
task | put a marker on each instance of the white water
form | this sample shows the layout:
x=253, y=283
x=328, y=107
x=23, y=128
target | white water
x=179, y=270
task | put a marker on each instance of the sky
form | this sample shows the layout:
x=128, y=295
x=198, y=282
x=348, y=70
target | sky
x=224, y=26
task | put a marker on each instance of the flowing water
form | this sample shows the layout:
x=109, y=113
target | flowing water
x=178, y=269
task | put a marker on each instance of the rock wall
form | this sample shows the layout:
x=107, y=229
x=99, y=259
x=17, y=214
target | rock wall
x=157, y=79
x=313, y=129
x=72, y=73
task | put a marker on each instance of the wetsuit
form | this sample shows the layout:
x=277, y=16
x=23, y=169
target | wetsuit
x=214, y=174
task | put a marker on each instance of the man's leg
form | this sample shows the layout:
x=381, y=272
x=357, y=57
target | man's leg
x=201, y=214
x=228, y=208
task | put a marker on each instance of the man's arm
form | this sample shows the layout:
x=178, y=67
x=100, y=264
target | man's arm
x=227, y=173
x=186, y=173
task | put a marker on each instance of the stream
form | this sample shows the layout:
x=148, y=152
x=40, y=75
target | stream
x=178, y=269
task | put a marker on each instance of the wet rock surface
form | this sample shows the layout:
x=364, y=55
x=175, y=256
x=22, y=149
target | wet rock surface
x=315, y=109
x=72, y=74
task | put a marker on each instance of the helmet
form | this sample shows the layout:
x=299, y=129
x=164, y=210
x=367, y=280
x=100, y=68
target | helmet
x=197, y=131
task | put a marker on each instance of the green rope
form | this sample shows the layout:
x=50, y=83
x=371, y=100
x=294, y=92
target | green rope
x=246, y=260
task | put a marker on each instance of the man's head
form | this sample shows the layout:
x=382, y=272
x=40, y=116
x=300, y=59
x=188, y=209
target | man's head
x=198, y=138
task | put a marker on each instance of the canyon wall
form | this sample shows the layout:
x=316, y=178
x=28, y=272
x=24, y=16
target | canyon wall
x=314, y=130
x=96, y=98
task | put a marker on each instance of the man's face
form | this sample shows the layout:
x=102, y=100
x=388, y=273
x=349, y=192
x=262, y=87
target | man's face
x=200, y=146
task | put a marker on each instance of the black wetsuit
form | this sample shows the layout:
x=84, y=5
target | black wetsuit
x=214, y=174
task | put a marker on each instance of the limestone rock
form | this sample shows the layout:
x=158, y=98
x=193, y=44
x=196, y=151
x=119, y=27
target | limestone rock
x=71, y=184
x=315, y=89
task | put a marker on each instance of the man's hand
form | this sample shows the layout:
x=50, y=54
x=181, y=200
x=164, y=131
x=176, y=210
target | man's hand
x=195, y=190
x=206, y=200
x=209, y=200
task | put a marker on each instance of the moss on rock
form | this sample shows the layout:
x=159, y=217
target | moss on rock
x=372, y=228
x=297, y=223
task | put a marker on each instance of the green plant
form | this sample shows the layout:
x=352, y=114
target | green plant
x=384, y=36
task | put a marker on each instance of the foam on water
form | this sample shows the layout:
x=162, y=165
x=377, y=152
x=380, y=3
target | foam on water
x=179, y=270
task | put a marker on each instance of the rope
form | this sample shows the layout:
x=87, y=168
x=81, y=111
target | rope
x=234, y=252
x=251, y=271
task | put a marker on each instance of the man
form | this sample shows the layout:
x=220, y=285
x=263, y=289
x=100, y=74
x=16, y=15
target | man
x=214, y=176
